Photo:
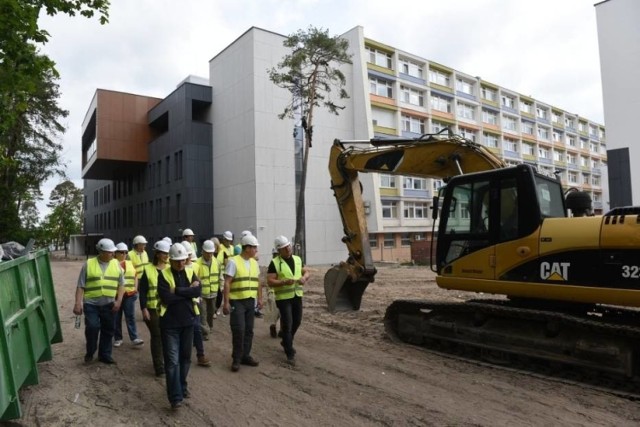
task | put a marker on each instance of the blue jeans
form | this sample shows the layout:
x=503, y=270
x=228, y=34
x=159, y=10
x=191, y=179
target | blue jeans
x=197, y=337
x=176, y=348
x=241, y=322
x=129, y=308
x=98, y=322
x=290, y=320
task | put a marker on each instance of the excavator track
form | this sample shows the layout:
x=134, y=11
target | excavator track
x=600, y=348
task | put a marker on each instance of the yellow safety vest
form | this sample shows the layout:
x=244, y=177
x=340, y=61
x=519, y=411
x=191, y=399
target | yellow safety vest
x=129, y=276
x=209, y=276
x=284, y=272
x=168, y=275
x=222, y=249
x=99, y=284
x=245, y=283
x=152, y=278
x=140, y=261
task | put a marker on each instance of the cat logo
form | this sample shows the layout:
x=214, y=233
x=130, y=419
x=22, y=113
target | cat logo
x=555, y=271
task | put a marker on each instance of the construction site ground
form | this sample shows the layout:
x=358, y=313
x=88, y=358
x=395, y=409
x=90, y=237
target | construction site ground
x=348, y=373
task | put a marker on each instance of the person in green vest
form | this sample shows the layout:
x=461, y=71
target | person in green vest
x=148, y=290
x=99, y=296
x=128, y=306
x=209, y=274
x=138, y=255
x=286, y=276
x=177, y=290
x=241, y=288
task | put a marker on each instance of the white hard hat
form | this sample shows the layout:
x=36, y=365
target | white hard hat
x=188, y=247
x=208, y=246
x=122, y=247
x=245, y=233
x=139, y=239
x=249, y=240
x=178, y=252
x=216, y=241
x=187, y=232
x=281, y=242
x=227, y=235
x=168, y=240
x=162, y=245
x=106, y=245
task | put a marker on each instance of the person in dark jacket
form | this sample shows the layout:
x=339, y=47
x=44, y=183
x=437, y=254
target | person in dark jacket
x=177, y=289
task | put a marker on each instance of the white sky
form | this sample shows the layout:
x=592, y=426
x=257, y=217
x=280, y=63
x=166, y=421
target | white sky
x=547, y=49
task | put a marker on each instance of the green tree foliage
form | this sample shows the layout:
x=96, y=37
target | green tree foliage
x=310, y=72
x=66, y=214
x=29, y=112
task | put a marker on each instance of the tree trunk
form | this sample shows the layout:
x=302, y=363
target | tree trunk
x=300, y=239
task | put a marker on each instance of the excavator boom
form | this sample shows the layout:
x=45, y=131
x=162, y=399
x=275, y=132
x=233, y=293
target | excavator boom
x=431, y=156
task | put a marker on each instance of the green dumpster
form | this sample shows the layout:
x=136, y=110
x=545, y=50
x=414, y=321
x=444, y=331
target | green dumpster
x=29, y=324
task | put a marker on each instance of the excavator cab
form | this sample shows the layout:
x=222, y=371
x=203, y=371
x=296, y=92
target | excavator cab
x=484, y=209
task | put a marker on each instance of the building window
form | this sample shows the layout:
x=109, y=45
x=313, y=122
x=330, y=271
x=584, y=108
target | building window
x=468, y=134
x=389, y=209
x=582, y=126
x=405, y=239
x=527, y=149
x=389, y=240
x=573, y=177
x=466, y=111
x=509, y=123
x=167, y=169
x=571, y=141
x=380, y=87
x=410, y=68
x=464, y=86
x=527, y=127
x=373, y=240
x=440, y=103
x=557, y=156
x=508, y=101
x=542, y=113
x=414, y=183
x=526, y=107
x=439, y=77
x=490, y=140
x=168, y=209
x=437, y=126
x=177, y=165
x=178, y=197
x=511, y=145
x=571, y=159
x=489, y=117
x=569, y=123
x=543, y=153
x=543, y=133
x=387, y=181
x=412, y=124
x=557, y=136
x=378, y=57
x=412, y=96
x=489, y=94
x=415, y=210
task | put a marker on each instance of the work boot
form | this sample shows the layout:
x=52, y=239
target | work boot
x=235, y=366
x=203, y=361
x=249, y=361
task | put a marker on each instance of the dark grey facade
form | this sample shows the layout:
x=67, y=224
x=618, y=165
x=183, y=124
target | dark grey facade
x=173, y=190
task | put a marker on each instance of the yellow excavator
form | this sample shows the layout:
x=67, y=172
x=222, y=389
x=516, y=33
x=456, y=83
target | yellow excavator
x=570, y=284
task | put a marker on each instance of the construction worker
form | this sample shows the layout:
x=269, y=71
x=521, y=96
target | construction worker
x=225, y=251
x=177, y=288
x=241, y=288
x=148, y=290
x=286, y=276
x=209, y=274
x=188, y=235
x=99, y=296
x=129, y=299
x=198, y=336
x=138, y=255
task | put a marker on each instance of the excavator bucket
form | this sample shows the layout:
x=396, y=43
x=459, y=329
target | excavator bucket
x=342, y=294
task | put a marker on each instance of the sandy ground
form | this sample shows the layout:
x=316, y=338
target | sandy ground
x=348, y=374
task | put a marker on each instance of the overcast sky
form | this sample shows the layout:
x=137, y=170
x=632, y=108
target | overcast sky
x=547, y=49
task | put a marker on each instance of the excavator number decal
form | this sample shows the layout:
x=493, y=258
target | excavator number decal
x=554, y=270
x=630, y=271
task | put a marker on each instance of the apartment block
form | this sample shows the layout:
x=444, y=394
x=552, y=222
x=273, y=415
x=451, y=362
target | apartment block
x=214, y=156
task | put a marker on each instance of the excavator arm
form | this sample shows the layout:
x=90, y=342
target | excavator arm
x=430, y=156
